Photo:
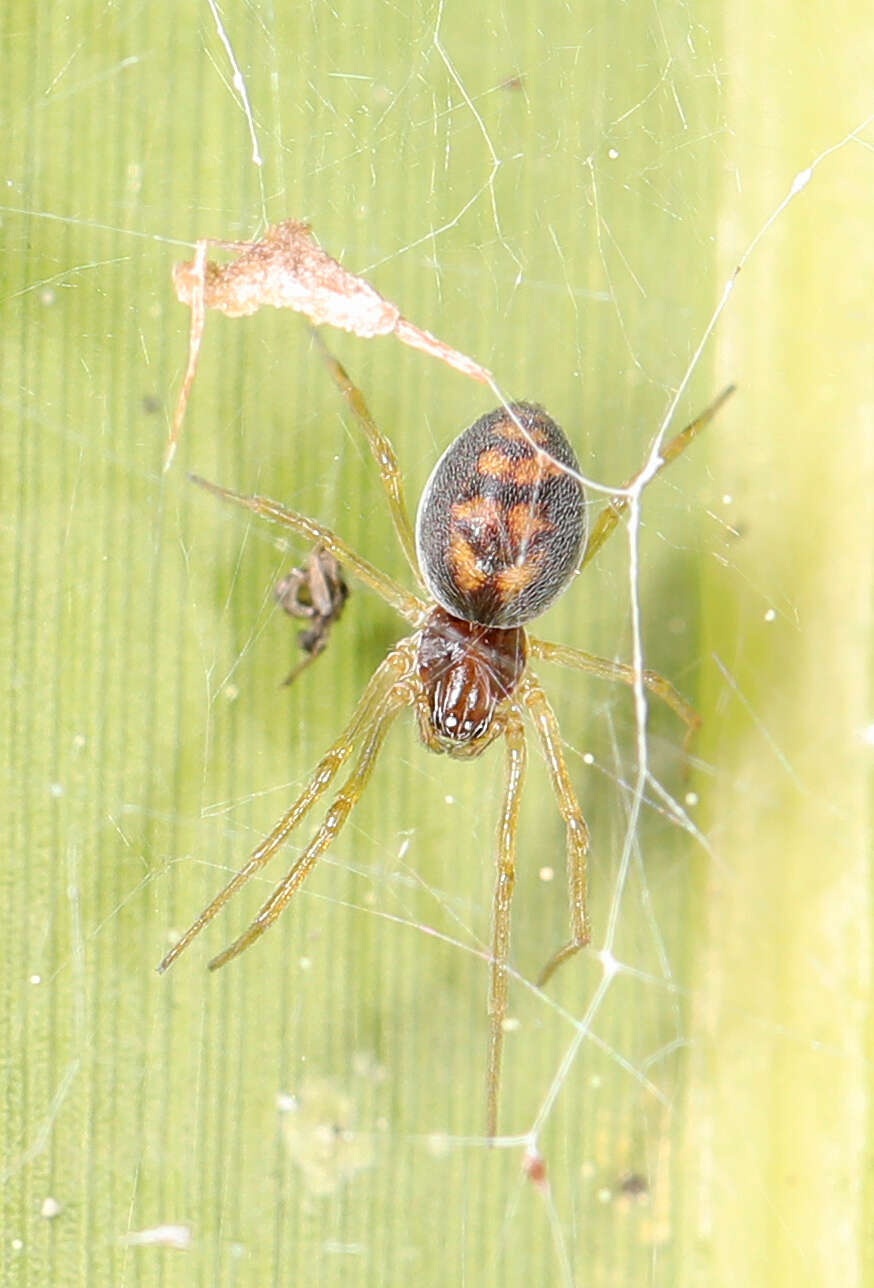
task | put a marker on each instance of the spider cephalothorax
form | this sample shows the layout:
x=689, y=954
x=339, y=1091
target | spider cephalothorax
x=501, y=530
x=467, y=671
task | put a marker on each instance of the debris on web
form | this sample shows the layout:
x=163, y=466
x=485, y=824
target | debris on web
x=287, y=269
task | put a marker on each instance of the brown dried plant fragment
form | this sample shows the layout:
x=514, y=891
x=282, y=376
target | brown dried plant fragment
x=289, y=270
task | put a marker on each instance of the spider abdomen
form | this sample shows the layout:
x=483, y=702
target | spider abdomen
x=501, y=525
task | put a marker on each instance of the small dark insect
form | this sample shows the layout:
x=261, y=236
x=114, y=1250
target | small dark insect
x=633, y=1184
x=316, y=592
x=501, y=530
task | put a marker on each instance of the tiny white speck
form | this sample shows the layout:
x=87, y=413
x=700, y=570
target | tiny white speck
x=36, y=979
x=448, y=800
x=604, y=1196
x=78, y=741
x=691, y=798
x=305, y=963
x=770, y=615
x=47, y=296
x=17, y=1245
x=510, y=1024
x=868, y=735
x=451, y=722
x=727, y=499
x=595, y=1081
x=612, y=153
x=50, y=1207
x=286, y=1103
x=231, y=692
x=546, y=874
x=588, y=758
x=438, y=1144
x=56, y=789
x=404, y=846
x=166, y=1236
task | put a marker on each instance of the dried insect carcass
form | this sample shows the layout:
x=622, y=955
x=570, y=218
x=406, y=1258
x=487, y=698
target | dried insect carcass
x=316, y=592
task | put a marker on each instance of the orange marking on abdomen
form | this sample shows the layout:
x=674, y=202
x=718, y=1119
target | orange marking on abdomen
x=478, y=510
x=532, y=470
x=524, y=523
x=510, y=430
x=511, y=581
x=493, y=463
x=524, y=471
x=468, y=577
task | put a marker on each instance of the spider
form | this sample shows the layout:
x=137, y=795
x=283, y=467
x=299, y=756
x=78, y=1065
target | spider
x=501, y=530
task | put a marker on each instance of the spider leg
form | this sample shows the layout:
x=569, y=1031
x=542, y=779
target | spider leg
x=514, y=733
x=396, y=666
x=617, y=505
x=545, y=723
x=608, y=670
x=400, y=695
x=381, y=450
x=409, y=606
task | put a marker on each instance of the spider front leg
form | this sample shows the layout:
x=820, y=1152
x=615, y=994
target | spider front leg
x=380, y=449
x=376, y=697
x=505, y=881
x=576, y=830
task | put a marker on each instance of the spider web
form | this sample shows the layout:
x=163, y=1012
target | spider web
x=547, y=198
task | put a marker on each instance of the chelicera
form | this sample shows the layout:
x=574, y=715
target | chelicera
x=501, y=530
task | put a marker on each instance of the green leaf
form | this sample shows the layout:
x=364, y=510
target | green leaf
x=560, y=193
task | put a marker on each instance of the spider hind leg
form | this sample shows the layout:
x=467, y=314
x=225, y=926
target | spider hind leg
x=577, y=833
x=505, y=880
